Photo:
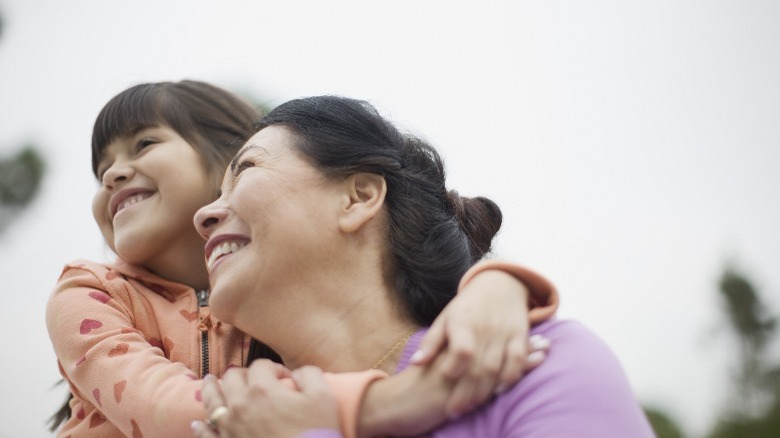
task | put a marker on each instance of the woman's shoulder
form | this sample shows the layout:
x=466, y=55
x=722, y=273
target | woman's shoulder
x=580, y=389
x=576, y=352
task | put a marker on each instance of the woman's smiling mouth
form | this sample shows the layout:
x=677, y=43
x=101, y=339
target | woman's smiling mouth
x=221, y=246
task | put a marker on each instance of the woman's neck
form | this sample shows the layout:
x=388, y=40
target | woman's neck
x=341, y=335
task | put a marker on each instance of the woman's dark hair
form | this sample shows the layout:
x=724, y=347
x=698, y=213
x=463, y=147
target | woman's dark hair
x=435, y=235
x=214, y=121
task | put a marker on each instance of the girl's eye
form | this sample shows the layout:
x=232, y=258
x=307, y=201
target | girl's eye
x=143, y=143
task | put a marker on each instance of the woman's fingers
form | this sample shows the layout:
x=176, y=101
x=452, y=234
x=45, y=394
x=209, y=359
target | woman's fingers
x=311, y=381
x=212, y=394
x=266, y=373
x=232, y=380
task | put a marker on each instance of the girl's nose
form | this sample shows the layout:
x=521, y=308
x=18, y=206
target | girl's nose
x=116, y=174
x=209, y=217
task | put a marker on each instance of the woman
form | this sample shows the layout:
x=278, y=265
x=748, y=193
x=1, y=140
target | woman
x=336, y=243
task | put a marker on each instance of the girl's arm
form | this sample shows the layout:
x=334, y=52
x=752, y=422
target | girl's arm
x=483, y=331
x=122, y=383
x=490, y=314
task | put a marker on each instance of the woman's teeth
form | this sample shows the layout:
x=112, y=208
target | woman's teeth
x=223, y=249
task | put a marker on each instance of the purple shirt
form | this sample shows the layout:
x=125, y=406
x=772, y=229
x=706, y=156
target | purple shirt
x=580, y=390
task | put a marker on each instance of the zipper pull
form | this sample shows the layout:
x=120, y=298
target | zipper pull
x=203, y=298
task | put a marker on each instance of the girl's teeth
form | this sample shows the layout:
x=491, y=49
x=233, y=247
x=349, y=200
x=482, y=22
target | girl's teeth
x=130, y=201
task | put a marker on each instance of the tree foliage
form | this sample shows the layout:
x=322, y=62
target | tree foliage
x=663, y=424
x=753, y=410
x=20, y=181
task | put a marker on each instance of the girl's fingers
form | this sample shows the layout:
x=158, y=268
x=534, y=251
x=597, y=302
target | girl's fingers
x=538, y=345
x=513, y=366
x=432, y=343
x=460, y=398
x=460, y=352
x=201, y=430
x=486, y=371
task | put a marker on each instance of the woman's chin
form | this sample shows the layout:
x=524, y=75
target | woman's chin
x=220, y=307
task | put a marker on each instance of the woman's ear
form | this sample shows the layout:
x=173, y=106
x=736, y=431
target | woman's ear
x=365, y=198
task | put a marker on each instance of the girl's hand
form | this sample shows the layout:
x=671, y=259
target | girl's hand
x=413, y=402
x=260, y=403
x=483, y=334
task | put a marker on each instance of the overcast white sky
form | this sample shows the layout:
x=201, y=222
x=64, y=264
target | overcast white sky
x=633, y=147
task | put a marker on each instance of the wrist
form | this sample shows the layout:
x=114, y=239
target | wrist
x=541, y=293
x=373, y=416
x=499, y=284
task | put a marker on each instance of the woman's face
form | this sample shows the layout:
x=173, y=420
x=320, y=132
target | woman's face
x=269, y=231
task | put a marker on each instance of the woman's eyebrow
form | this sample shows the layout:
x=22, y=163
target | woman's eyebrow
x=252, y=147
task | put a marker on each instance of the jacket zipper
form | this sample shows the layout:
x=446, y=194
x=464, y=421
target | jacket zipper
x=203, y=301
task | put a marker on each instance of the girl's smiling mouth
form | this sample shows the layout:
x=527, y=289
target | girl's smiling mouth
x=126, y=198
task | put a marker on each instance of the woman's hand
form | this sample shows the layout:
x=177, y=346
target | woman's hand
x=483, y=334
x=260, y=403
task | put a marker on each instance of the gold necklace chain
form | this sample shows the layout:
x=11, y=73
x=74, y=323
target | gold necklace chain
x=392, y=350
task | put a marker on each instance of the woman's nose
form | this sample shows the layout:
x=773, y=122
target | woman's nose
x=208, y=218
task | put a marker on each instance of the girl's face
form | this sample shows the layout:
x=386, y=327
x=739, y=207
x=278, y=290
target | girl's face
x=152, y=183
x=271, y=229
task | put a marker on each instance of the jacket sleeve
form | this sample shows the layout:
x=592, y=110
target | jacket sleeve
x=349, y=389
x=543, y=297
x=122, y=380
x=119, y=378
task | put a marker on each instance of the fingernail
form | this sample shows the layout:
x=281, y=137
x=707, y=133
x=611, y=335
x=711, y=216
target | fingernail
x=209, y=377
x=538, y=342
x=500, y=388
x=417, y=356
x=196, y=426
x=536, y=357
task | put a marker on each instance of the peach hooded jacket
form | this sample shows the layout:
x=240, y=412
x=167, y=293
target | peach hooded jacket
x=133, y=348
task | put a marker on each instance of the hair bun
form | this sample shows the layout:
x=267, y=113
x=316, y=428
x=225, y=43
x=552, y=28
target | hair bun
x=480, y=218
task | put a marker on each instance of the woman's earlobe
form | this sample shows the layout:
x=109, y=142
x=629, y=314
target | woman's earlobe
x=366, y=195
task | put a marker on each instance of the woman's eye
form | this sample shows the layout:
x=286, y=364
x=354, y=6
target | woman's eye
x=242, y=166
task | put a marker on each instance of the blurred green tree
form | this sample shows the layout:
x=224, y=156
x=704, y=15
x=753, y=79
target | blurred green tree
x=663, y=424
x=753, y=410
x=20, y=179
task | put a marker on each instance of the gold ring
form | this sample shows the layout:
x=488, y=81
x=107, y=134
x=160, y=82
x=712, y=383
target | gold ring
x=218, y=412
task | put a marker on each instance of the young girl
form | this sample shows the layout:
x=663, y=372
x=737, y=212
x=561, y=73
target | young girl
x=133, y=338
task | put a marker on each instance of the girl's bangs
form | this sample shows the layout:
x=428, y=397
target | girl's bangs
x=127, y=113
